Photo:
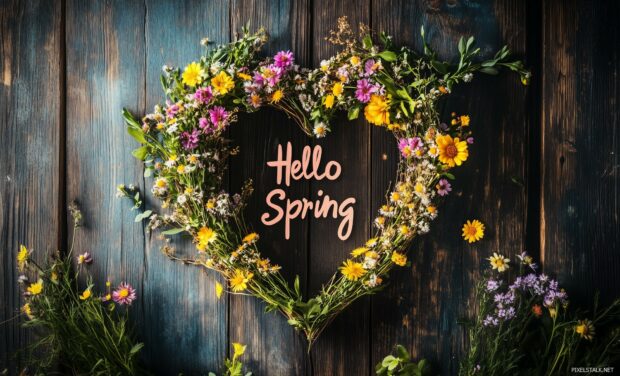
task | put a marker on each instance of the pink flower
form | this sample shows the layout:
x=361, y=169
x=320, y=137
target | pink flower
x=190, y=140
x=171, y=111
x=364, y=90
x=443, y=187
x=203, y=95
x=218, y=116
x=408, y=146
x=259, y=80
x=84, y=258
x=124, y=294
x=370, y=67
x=284, y=59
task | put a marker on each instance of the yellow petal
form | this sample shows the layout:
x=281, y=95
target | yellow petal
x=219, y=289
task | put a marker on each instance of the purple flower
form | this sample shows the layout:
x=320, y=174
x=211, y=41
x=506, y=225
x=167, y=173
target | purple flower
x=408, y=146
x=171, y=111
x=470, y=140
x=203, y=95
x=364, y=90
x=190, y=140
x=284, y=59
x=492, y=285
x=124, y=294
x=370, y=67
x=203, y=123
x=443, y=187
x=219, y=116
x=259, y=80
x=490, y=321
x=84, y=258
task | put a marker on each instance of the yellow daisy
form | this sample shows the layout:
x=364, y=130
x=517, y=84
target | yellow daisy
x=22, y=257
x=244, y=76
x=222, y=83
x=192, y=75
x=204, y=237
x=251, y=238
x=239, y=280
x=35, y=288
x=337, y=89
x=27, y=310
x=277, y=95
x=473, y=231
x=399, y=259
x=499, y=262
x=585, y=329
x=352, y=270
x=329, y=101
x=355, y=60
x=377, y=110
x=238, y=350
x=359, y=251
x=464, y=120
x=86, y=294
x=452, y=152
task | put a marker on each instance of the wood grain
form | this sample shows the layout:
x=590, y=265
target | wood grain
x=343, y=348
x=422, y=305
x=274, y=347
x=186, y=325
x=581, y=147
x=31, y=94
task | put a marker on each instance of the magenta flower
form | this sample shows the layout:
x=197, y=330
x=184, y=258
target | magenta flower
x=470, y=140
x=443, y=187
x=218, y=116
x=408, y=146
x=272, y=75
x=203, y=123
x=172, y=110
x=84, y=258
x=370, y=67
x=203, y=95
x=258, y=80
x=190, y=140
x=284, y=59
x=364, y=90
x=124, y=294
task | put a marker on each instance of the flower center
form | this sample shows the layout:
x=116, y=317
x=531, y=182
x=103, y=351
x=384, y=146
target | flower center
x=451, y=151
x=123, y=293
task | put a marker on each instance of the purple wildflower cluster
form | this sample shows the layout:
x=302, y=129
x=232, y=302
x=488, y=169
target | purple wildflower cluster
x=538, y=286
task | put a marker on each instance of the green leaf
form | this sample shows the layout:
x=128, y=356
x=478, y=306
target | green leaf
x=129, y=119
x=173, y=231
x=140, y=153
x=148, y=172
x=402, y=352
x=440, y=67
x=367, y=42
x=140, y=217
x=489, y=70
x=387, y=55
x=449, y=175
x=137, y=347
x=137, y=134
x=296, y=285
x=354, y=113
x=461, y=45
x=470, y=41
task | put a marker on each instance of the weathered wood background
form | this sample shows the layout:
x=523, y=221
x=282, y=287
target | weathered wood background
x=543, y=174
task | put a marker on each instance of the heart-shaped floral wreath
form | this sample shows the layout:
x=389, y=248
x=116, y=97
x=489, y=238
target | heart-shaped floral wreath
x=184, y=148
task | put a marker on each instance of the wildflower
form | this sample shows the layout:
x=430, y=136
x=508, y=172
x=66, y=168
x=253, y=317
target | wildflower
x=553, y=312
x=218, y=116
x=364, y=90
x=35, y=288
x=222, y=83
x=160, y=186
x=372, y=242
x=189, y=141
x=244, y=76
x=473, y=231
x=451, y=151
x=468, y=77
x=324, y=65
x=219, y=289
x=284, y=59
x=355, y=60
x=238, y=350
x=371, y=66
x=399, y=259
x=537, y=310
x=337, y=89
x=124, y=294
x=85, y=294
x=492, y=285
x=204, y=237
x=329, y=101
x=204, y=95
x=192, y=75
x=251, y=238
x=499, y=262
x=359, y=251
x=408, y=146
x=527, y=260
x=443, y=187
x=464, y=120
x=352, y=270
x=377, y=110
x=585, y=329
x=490, y=321
x=320, y=129
x=239, y=280
x=404, y=230
x=27, y=310
x=22, y=279
x=22, y=257
x=277, y=95
x=374, y=281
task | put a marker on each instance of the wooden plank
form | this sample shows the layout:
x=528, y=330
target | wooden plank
x=31, y=134
x=273, y=346
x=421, y=306
x=581, y=147
x=343, y=348
x=186, y=324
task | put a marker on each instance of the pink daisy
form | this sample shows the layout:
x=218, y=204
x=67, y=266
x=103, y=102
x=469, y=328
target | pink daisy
x=124, y=294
